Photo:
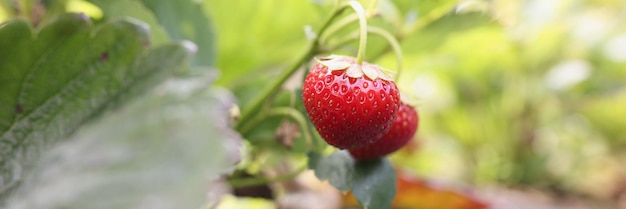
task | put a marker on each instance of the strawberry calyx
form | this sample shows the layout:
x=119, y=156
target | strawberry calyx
x=353, y=70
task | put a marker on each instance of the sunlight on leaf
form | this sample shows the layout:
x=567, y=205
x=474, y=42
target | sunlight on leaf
x=84, y=6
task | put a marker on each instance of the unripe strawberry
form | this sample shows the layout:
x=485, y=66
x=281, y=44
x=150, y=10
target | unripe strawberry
x=350, y=105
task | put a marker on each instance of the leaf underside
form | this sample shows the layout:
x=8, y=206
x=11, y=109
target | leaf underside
x=55, y=78
x=158, y=151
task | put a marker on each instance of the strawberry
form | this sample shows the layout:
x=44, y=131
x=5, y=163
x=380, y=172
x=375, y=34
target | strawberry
x=350, y=105
x=401, y=132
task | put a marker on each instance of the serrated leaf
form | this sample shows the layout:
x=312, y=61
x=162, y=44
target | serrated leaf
x=337, y=168
x=156, y=152
x=374, y=183
x=54, y=80
x=185, y=20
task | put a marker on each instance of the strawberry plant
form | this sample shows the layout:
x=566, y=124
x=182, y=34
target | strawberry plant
x=297, y=104
x=118, y=64
x=351, y=104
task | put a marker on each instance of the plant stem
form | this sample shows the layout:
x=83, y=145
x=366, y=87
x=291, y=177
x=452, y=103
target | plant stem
x=405, y=30
x=340, y=24
x=338, y=10
x=297, y=117
x=237, y=183
x=362, y=30
x=251, y=123
x=394, y=43
x=347, y=20
x=294, y=114
x=257, y=102
x=310, y=50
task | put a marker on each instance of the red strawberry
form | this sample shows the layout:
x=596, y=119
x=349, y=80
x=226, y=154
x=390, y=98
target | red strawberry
x=350, y=105
x=402, y=130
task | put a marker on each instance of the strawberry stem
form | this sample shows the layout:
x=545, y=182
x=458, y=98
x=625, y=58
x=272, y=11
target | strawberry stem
x=362, y=30
x=290, y=112
x=297, y=117
x=339, y=25
x=347, y=20
x=393, y=42
x=311, y=49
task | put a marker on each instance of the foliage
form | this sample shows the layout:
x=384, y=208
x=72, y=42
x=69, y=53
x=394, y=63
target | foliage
x=372, y=182
x=70, y=69
x=57, y=79
x=155, y=146
x=513, y=93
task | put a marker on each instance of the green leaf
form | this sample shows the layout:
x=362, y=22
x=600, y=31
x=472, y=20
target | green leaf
x=55, y=80
x=437, y=32
x=372, y=182
x=156, y=152
x=185, y=20
x=115, y=9
x=53, y=8
x=338, y=168
x=265, y=37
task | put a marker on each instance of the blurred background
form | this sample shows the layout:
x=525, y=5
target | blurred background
x=529, y=95
x=521, y=101
x=521, y=94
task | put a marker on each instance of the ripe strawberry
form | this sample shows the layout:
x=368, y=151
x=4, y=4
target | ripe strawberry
x=350, y=105
x=402, y=130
